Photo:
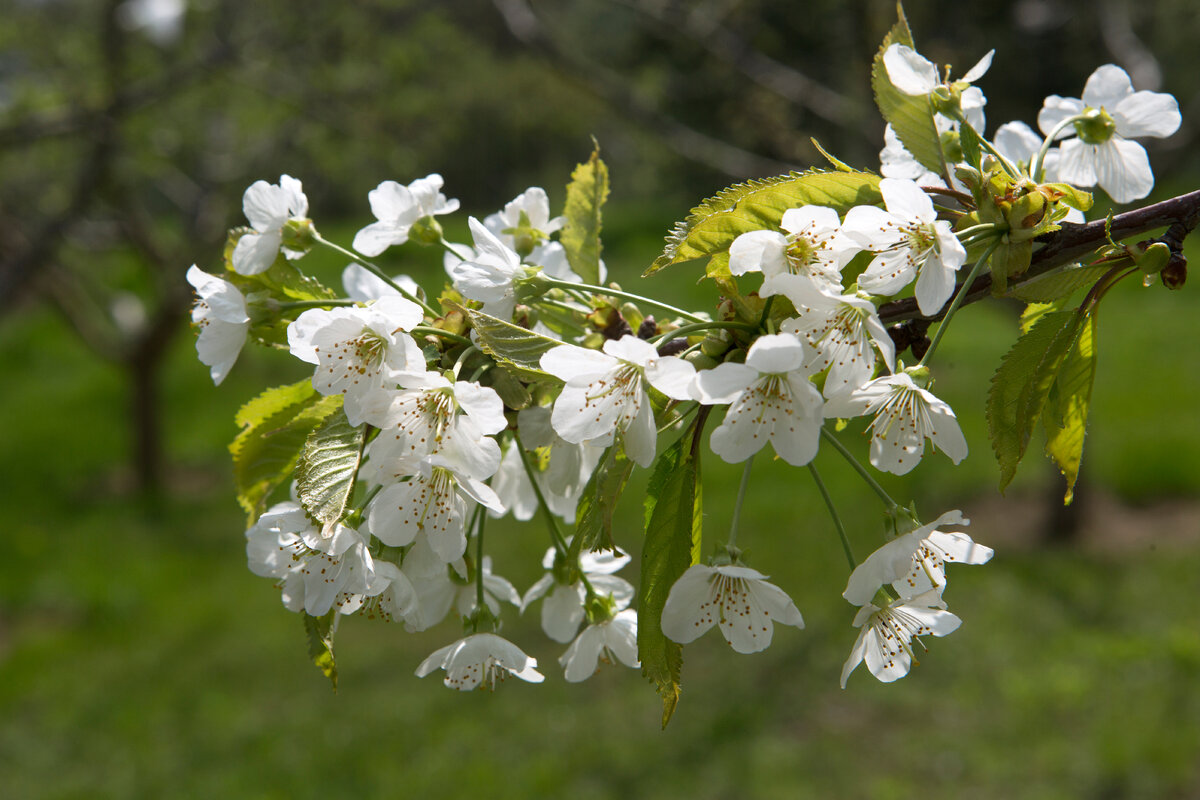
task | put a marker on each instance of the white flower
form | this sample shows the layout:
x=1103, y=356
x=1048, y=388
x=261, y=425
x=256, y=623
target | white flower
x=887, y=634
x=811, y=246
x=480, y=660
x=1111, y=114
x=495, y=590
x=563, y=610
x=391, y=595
x=905, y=416
x=432, y=414
x=491, y=274
x=317, y=567
x=737, y=598
x=220, y=314
x=614, y=639
x=770, y=399
x=605, y=393
x=895, y=161
x=843, y=331
x=433, y=502
x=535, y=205
x=268, y=207
x=358, y=350
x=398, y=208
x=915, y=563
x=911, y=242
x=913, y=74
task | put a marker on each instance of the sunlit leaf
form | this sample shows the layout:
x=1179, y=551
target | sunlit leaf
x=911, y=116
x=518, y=348
x=320, y=643
x=328, y=468
x=580, y=237
x=1065, y=419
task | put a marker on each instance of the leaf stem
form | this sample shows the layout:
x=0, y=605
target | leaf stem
x=480, y=518
x=569, y=285
x=694, y=327
x=429, y=330
x=891, y=504
x=1036, y=166
x=958, y=299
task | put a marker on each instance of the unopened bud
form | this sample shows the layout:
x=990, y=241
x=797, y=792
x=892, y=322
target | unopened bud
x=1174, y=274
x=699, y=360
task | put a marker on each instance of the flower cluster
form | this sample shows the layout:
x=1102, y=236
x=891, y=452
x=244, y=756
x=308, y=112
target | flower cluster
x=530, y=387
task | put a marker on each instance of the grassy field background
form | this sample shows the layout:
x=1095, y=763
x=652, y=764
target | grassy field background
x=140, y=658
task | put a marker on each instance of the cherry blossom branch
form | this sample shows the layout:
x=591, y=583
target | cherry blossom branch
x=1181, y=214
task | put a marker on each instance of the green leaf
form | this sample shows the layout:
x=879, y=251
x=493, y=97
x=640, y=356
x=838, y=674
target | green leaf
x=580, y=237
x=328, y=468
x=1022, y=384
x=673, y=526
x=320, y=643
x=518, y=348
x=1058, y=284
x=275, y=426
x=594, y=514
x=968, y=140
x=283, y=280
x=1066, y=418
x=757, y=204
x=911, y=117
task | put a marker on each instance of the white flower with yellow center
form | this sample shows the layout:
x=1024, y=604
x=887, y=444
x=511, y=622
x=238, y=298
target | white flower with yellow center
x=905, y=416
x=915, y=563
x=910, y=243
x=481, y=660
x=770, y=398
x=810, y=245
x=888, y=633
x=610, y=641
x=605, y=393
x=843, y=331
x=738, y=599
x=397, y=208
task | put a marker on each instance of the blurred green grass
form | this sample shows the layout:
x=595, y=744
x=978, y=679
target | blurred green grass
x=140, y=658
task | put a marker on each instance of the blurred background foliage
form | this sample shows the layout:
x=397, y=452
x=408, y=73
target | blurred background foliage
x=138, y=656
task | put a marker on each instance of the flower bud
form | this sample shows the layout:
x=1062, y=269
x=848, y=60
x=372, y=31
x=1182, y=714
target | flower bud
x=1174, y=274
x=699, y=360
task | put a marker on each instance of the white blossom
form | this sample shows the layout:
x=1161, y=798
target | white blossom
x=905, y=416
x=910, y=242
x=611, y=640
x=220, y=314
x=739, y=599
x=481, y=660
x=885, y=642
x=1111, y=115
x=268, y=207
x=810, y=245
x=397, y=208
x=915, y=563
x=563, y=607
x=913, y=74
x=491, y=274
x=495, y=590
x=358, y=351
x=843, y=331
x=770, y=398
x=605, y=392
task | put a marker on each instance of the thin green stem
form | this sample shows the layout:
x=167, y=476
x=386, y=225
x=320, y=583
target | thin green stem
x=1008, y=166
x=958, y=300
x=860, y=469
x=568, y=285
x=376, y=271
x=1036, y=166
x=737, y=506
x=449, y=248
x=695, y=327
x=480, y=518
x=837, y=520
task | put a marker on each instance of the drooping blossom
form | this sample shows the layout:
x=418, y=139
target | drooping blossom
x=887, y=634
x=480, y=661
x=397, y=208
x=220, y=314
x=739, y=599
x=610, y=640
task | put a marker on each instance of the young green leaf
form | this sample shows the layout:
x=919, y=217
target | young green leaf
x=1065, y=419
x=275, y=426
x=757, y=204
x=1022, y=384
x=580, y=237
x=320, y=643
x=513, y=346
x=1058, y=284
x=594, y=514
x=673, y=518
x=328, y=468
x=911, y=116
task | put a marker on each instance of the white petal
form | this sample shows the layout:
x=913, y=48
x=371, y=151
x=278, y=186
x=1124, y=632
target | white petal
x=690, y=609
x=266, y=206
x=980, y=69
x=1106, y=87
x=906, y=199
x=758, y=251
x=672, y=376
x=776, y=353
x=1055, y=109
x=379, y=236
x=256, y=252
x=909, y=71
x=723, y=383
x=568, y=361
x=1123, y=170
x=1147, y=114
x=1077, y=163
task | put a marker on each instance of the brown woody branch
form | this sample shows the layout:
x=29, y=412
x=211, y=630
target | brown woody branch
x=1179, y=214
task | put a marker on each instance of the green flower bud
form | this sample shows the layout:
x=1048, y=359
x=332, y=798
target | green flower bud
x=700, y=361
